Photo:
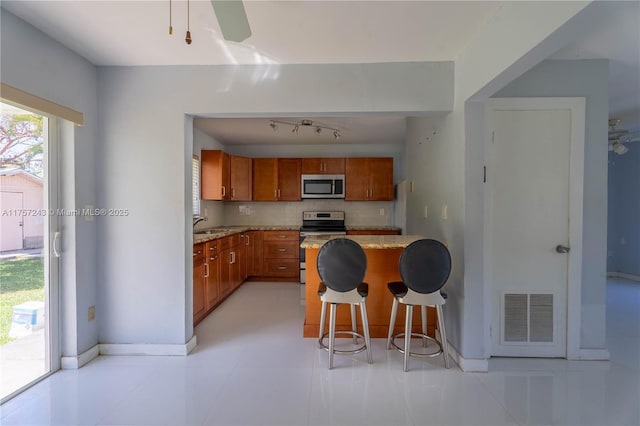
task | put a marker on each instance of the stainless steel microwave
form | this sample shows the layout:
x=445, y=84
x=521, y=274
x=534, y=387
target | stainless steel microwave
x=322, y=186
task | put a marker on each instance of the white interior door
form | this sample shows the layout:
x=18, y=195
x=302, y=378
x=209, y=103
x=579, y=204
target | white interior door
x=528, y=227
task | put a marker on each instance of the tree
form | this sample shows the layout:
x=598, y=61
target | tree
x=21, y=142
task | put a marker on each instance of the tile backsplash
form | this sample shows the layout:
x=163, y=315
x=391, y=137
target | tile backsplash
x=357, y=213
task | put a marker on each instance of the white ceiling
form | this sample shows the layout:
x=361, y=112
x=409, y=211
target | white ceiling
x=122, y=32
x=377, y=129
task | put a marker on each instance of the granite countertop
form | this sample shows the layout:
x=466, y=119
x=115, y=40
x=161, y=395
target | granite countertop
x=373, y=228
x=209, y=234
x=366, y=241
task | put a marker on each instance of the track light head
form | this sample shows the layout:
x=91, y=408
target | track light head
x=318, y=130
x=274, y=126
x=336, y=134
x=295, y=129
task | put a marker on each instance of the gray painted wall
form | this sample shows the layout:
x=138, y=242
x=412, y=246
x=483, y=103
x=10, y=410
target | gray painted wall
x=33, y=62
x=624, y=211
x=589, y=79
x=145, y=153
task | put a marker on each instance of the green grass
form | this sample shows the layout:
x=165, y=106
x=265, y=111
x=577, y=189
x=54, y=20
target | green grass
x=21, y=280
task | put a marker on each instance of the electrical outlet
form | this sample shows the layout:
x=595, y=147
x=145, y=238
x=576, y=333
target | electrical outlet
x=92, y=313
x=426, y=212
x=381, y=212
x=445, y=212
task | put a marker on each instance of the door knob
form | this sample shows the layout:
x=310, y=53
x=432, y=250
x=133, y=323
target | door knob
x=562, y=249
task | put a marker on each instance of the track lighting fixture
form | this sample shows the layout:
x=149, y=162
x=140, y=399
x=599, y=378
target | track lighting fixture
x=304, y=123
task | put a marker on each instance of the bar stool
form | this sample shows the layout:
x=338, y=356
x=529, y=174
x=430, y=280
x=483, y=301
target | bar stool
x=342, y=264
x=425, y=266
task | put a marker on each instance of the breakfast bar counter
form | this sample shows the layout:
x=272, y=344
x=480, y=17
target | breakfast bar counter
x=383, y=253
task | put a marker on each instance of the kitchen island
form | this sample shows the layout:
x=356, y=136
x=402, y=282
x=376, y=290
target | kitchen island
x=383, y=253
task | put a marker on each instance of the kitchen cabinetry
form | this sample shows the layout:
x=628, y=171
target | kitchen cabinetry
x=323, y=166
x=212, y=282
x=253, y=246
x=369, y=179
x=240, y=178
x=373, y=232
x=281, y=253
x=224, y=176
x=214, y=175
x=276, y=179
x=231, y=263
x=199, y=278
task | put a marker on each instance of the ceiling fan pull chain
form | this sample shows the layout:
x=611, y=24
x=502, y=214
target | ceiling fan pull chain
x=188, y=38
x=170, y=26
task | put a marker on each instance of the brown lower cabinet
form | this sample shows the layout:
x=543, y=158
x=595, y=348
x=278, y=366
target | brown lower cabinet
x=221, y=266
x=199, y=278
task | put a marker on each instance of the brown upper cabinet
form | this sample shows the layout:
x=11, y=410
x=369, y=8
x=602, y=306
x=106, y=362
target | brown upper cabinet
x=276, y=179
x=240, y=177
x=214, y=175
x=369, y=179
x=224, y=176
x=323, y=166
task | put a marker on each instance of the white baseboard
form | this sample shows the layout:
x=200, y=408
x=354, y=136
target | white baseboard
x=623, y=275
x=148, y=349
x=469, y=365
x=75, y=362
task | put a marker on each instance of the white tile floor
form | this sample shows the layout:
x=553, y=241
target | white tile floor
x=253, y=367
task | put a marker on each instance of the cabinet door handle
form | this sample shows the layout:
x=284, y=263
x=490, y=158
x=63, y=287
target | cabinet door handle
x=278, y=193
x=247, y=240
x=224, y=191
x=233, y=257
x=282, y=249
x=282, y=267
x=206, y=274
x=214, y=258
x=275, y=193
x=282, y=236
x=233, y=193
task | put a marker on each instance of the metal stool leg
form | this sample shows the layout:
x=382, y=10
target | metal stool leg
x=407, y=336
x=392, y=321
x=354, y=324
x=365, y=329
x=332, y=333
x=443, y=336
x=323, y=318
x=423, y=313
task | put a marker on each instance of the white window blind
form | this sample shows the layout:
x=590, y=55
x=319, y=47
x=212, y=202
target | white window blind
x=195, y=185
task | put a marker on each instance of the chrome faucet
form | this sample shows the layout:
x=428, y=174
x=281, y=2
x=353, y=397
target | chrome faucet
x=198, y=219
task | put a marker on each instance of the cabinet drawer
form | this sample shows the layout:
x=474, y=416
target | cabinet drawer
x=281, y=267
x=212, y=247
x=230, y=241
x=281, y=235
x=281, y=249
x=198, y=252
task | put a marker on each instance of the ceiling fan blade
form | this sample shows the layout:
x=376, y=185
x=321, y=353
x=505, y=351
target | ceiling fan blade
x=630, y=137
x=232, y=19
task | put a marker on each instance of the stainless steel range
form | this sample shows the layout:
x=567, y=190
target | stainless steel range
x=323, y=224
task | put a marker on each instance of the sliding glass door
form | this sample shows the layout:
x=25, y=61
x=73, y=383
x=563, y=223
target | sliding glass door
x=29, y=248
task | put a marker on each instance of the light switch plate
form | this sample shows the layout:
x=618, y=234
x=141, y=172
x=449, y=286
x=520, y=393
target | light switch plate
x=381, y=212
x=445, y=212
x=92, y=313
x=426, y=212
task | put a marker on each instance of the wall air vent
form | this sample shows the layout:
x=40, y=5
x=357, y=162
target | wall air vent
x=528, y=318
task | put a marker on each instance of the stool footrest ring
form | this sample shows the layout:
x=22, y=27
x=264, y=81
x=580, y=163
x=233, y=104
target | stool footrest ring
x=343, y=352
x=417, y=354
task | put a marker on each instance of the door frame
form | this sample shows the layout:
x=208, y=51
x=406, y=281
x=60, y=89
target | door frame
x=577, y=106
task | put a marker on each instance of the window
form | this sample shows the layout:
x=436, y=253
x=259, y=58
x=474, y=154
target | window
x=195, y=185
